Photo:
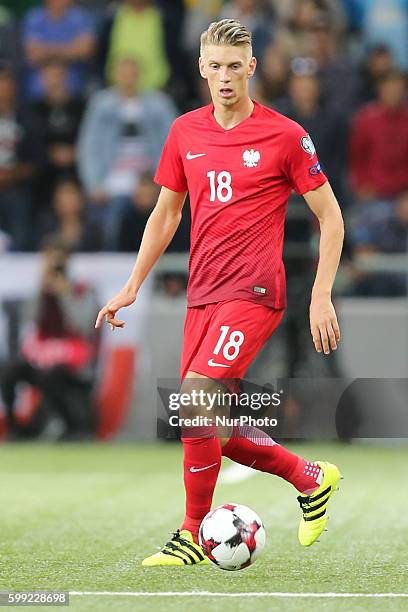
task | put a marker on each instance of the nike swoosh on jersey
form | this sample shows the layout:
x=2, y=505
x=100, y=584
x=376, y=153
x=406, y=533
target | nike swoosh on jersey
x=191, y=156
x=211, y=362
x=207, y=467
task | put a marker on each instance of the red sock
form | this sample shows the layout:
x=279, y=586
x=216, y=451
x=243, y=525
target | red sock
x=202, y=461
x=253, y=447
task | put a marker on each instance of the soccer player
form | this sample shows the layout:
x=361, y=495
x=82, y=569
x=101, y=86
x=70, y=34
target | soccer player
x=239, y=162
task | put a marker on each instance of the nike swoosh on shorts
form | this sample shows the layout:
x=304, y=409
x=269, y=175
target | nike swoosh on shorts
x=211, y=362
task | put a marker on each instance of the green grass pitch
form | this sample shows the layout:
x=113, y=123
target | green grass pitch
x=82, y=517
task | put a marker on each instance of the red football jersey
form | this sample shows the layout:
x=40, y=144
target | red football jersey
x=239, y=181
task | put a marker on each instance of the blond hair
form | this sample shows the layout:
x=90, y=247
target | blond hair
x=226, y=32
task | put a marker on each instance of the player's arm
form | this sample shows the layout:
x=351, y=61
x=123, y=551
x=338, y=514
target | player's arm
x=323, y=320
x=80, y=49
x=159, y=231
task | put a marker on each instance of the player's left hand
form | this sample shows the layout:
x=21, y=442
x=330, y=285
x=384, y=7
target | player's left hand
x=324, y=326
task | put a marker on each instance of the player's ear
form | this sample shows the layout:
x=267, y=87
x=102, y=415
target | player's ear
x=252, y=67
x=201, y=67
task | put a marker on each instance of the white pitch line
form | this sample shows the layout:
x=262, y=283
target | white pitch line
x=260, y=594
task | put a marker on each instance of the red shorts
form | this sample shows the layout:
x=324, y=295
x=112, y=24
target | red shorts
x=221, y=340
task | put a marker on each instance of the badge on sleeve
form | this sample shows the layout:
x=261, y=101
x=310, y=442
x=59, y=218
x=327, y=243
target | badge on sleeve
x=315, y=169
x=307, y=145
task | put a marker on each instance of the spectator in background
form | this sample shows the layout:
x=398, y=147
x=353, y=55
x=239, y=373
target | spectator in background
x=338, y=75
x=58, y=349
x=328, y=129
x=271, y=82
x=385, y=231
x=386, y=22
x=292, y=36
x=121, y=137
x=378, y=63
x=20, y=155
x=379, y=143
x=173, y=14
x=136, y=31
x=58, y=30
x=199, y=16
x=68, y=220
x=313, y=33
x=285, y=12
x=256, y=18
x=135, y=218
x=143, y=201
x=9, y=42
x=58, y=115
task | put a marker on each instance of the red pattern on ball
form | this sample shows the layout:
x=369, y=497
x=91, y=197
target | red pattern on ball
x=249, y=536
x=208, y=546
x=229, y=507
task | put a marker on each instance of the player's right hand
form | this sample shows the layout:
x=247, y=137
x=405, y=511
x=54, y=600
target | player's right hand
x=124, y=298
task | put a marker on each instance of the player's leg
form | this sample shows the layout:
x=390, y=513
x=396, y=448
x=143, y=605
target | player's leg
x=315, y=481
x=253, y=447
x=202, y=453
x=228, y=340
x=238, y=331
x=202, y=461
x=248, y=446
x=236, y=328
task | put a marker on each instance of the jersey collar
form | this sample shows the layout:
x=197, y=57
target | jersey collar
x=254, y=113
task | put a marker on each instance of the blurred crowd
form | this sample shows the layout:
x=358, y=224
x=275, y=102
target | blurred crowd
x=89, y=89
x=49, y=375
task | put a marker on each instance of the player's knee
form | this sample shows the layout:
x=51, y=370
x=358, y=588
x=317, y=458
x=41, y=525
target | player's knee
x=197, y=396
x=191, y=399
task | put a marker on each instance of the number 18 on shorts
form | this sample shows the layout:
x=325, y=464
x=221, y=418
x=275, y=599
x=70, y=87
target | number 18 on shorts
x=221, y=340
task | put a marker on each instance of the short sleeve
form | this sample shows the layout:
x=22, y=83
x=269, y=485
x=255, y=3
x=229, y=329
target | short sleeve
x=170, y=171
x=301, y=165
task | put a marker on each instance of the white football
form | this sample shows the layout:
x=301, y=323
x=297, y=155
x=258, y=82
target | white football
x=232, y=536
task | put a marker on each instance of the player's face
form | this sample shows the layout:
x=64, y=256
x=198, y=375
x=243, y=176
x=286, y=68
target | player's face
x=227, y=70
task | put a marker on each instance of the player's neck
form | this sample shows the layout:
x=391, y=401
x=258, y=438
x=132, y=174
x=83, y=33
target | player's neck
x=229, y=117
